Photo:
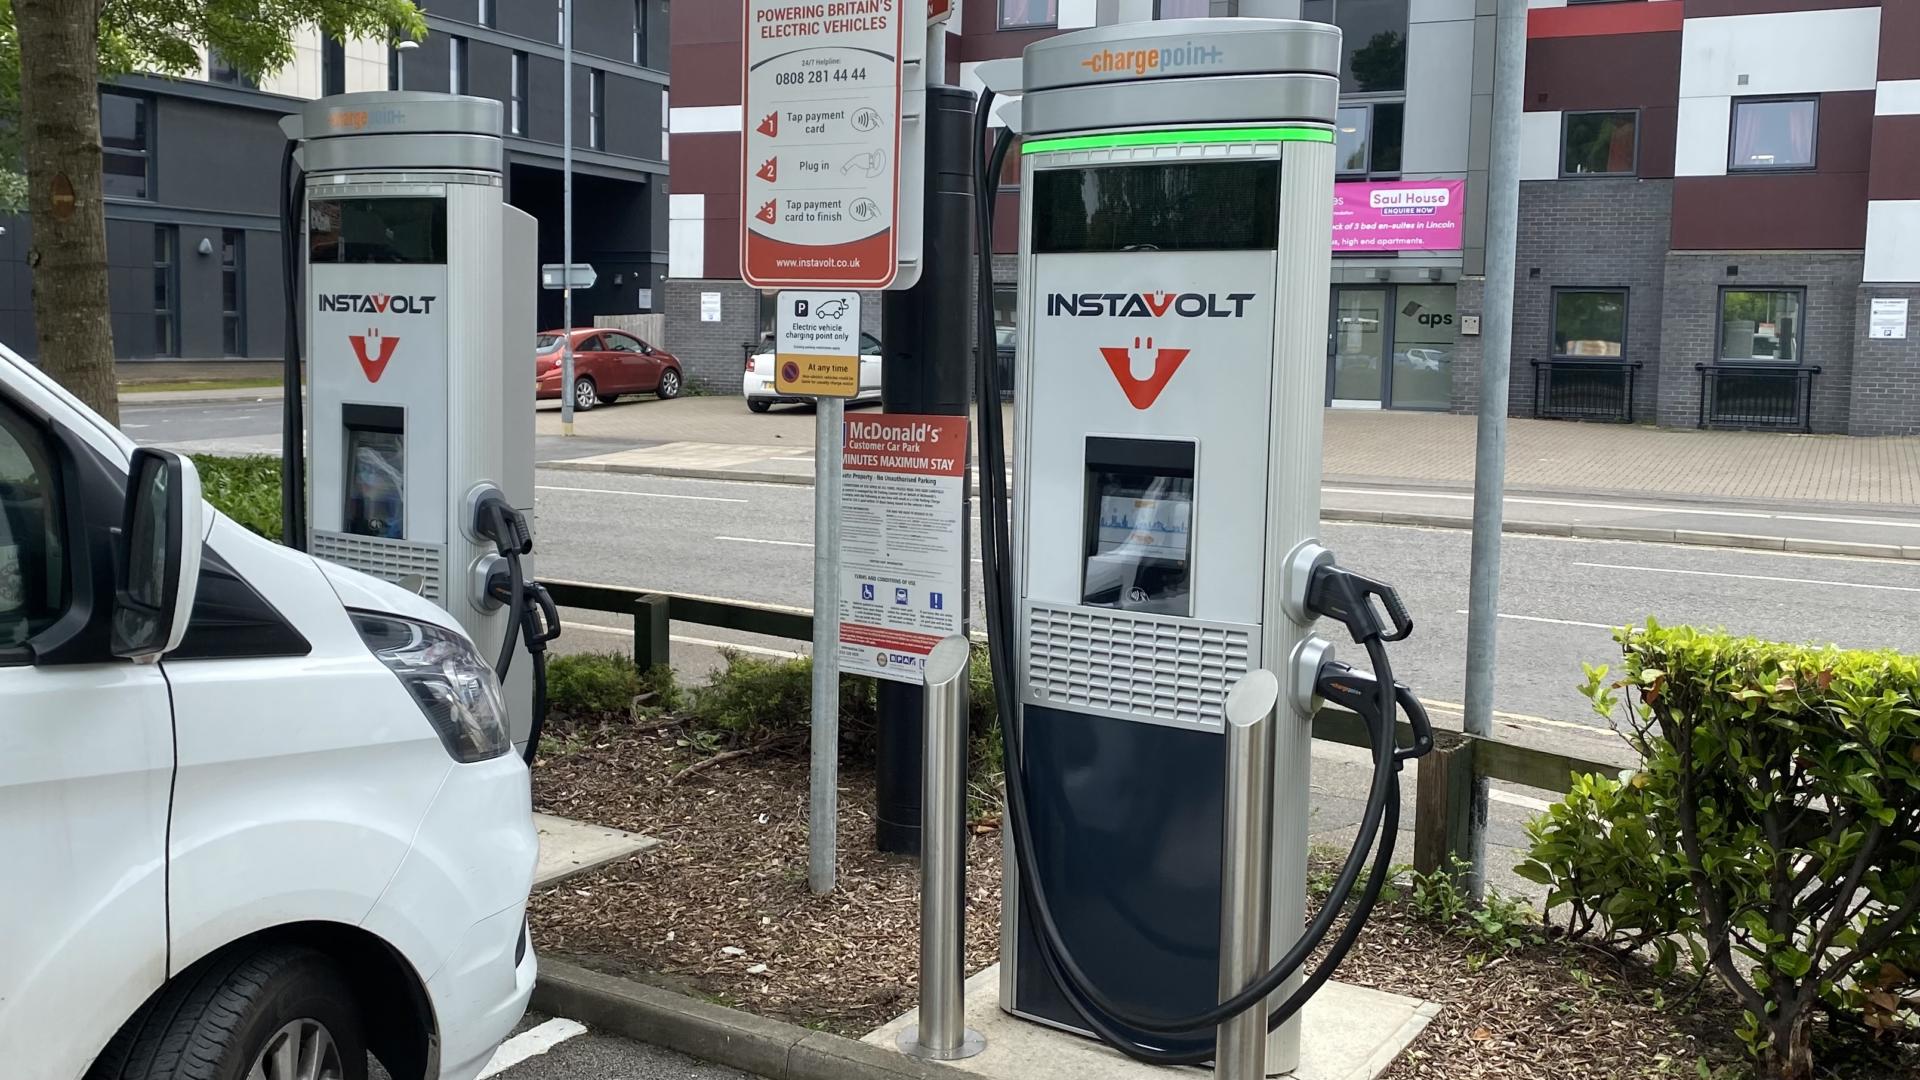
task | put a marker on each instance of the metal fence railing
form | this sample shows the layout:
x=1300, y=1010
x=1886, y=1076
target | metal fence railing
x=1442, y=801
x=1584, y=389
x=1756, y=395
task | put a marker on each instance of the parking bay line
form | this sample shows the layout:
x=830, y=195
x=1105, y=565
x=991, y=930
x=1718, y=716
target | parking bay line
x=530, y=1043
x=1751, y=577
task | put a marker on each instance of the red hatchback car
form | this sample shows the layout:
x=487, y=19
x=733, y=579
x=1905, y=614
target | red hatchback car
x=606, y=364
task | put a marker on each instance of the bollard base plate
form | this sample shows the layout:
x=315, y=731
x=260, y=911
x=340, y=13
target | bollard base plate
x=909, y=1042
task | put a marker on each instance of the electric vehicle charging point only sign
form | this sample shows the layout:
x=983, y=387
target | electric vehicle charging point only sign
x=816, y=344
x=903, y=562
x=821, y=167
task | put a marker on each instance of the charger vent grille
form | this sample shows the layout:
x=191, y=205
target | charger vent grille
x=391, y=560
x=1138, y=667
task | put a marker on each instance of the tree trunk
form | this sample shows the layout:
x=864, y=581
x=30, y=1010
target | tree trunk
x=1790, y=1057
x=60, y=129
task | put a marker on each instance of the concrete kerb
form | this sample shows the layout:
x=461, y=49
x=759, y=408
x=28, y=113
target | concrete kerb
x=699, y=1029
x=1372, y=517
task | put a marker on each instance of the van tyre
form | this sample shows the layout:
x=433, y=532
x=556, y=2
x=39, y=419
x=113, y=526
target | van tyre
x=282, y=1013
x=759, y=406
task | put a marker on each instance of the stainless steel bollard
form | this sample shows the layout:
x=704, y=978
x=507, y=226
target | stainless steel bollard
x=941, y=1034
x=1246, y=852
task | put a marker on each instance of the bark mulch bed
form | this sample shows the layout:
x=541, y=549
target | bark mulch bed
x=721, y=910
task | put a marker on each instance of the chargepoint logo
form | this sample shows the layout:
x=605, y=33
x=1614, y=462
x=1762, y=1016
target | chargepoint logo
x=1160, y=59
x=373, y=352
x=377, y=303
x=1149, y=305
x=1143, y=390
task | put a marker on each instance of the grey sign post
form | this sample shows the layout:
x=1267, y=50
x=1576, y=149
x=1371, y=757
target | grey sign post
x=816, y=353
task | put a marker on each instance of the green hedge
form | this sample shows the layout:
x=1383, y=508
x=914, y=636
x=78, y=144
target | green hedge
x=1771, y=833
x=246, y=489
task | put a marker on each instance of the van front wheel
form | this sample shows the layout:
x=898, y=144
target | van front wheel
x=282, y=1013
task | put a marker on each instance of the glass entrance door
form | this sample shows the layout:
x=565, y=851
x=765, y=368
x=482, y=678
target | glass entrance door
x=1358, y=364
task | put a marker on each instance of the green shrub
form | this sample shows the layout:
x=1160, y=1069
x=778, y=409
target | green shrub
x=1606, y=854
x=246, y=489
x=1781, y=784
x=754, y=699
x=593, y=685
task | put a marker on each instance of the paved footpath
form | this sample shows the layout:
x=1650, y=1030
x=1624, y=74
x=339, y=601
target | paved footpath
x=1726, y=488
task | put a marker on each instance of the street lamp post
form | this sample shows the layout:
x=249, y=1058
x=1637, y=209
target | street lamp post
x=566, y=214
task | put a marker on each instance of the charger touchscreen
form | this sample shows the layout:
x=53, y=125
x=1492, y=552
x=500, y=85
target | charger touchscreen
x=1140, y=540
x=376, y=483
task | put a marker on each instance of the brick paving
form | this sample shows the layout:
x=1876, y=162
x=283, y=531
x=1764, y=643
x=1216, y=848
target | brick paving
x=1419, y=448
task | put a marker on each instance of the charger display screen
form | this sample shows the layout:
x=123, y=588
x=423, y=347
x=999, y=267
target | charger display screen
x=376, y=487
x=1139, y=525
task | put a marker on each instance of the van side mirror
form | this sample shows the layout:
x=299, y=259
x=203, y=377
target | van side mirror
x=157, y=555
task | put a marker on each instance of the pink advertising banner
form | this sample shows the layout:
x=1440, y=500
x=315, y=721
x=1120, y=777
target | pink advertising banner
x=1399, y=215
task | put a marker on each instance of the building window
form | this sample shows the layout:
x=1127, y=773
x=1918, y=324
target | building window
x=1599, y=143
x=221, y=70
x=597, y=109
x=456, y=65
x=333, y=68
x=1181, y=9
x=1760, y=324
x=126, y=147
x=166, y=290
x=1367, y=139
x=233, y=291
x=1590, y=323
x=1773, y=133
x=640, y=32
x=1022, y=14
x=1373, y=41
x=487, y=14
x=517, y=120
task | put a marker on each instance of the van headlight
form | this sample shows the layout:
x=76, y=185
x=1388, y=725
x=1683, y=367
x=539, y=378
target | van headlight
x=451, y=683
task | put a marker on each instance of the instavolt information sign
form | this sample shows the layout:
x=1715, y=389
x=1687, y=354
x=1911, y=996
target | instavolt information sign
x=821, y=162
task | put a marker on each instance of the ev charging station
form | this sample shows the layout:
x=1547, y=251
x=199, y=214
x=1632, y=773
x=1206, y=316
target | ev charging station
x=418, y=318
x=1161, y=570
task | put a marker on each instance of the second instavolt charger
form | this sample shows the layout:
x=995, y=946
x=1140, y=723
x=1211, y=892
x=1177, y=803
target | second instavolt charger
x=1177, y=181
x=418, y=321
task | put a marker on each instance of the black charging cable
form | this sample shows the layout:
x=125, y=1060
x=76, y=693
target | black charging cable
x=1339, y=593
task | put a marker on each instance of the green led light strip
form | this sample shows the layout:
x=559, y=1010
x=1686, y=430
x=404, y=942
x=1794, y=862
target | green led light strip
x=1179, y=138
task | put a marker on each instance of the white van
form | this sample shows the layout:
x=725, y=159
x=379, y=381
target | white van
x=259, y=814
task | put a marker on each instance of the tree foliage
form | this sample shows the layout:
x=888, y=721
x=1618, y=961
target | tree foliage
x=163, y=37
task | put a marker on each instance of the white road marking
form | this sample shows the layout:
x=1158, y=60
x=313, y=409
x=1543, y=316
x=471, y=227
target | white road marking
x=1751, y=577
x=134, y=427
x=1851, y=520
x=532, y=1042
x=757, y=540
x=639, y=494
x=1528, y=802
x=1544, y=619
x=1454, y=708
x=757, y=650
x=778, y=543
x=1524, y=501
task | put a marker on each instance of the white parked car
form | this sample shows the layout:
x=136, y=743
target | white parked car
x=261, y=814
x=757, y=383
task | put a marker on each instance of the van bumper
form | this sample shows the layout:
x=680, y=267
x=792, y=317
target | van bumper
x=476, y=1006
x=457, y=908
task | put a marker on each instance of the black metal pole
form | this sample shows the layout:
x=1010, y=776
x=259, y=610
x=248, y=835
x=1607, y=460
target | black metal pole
x=927, y=330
